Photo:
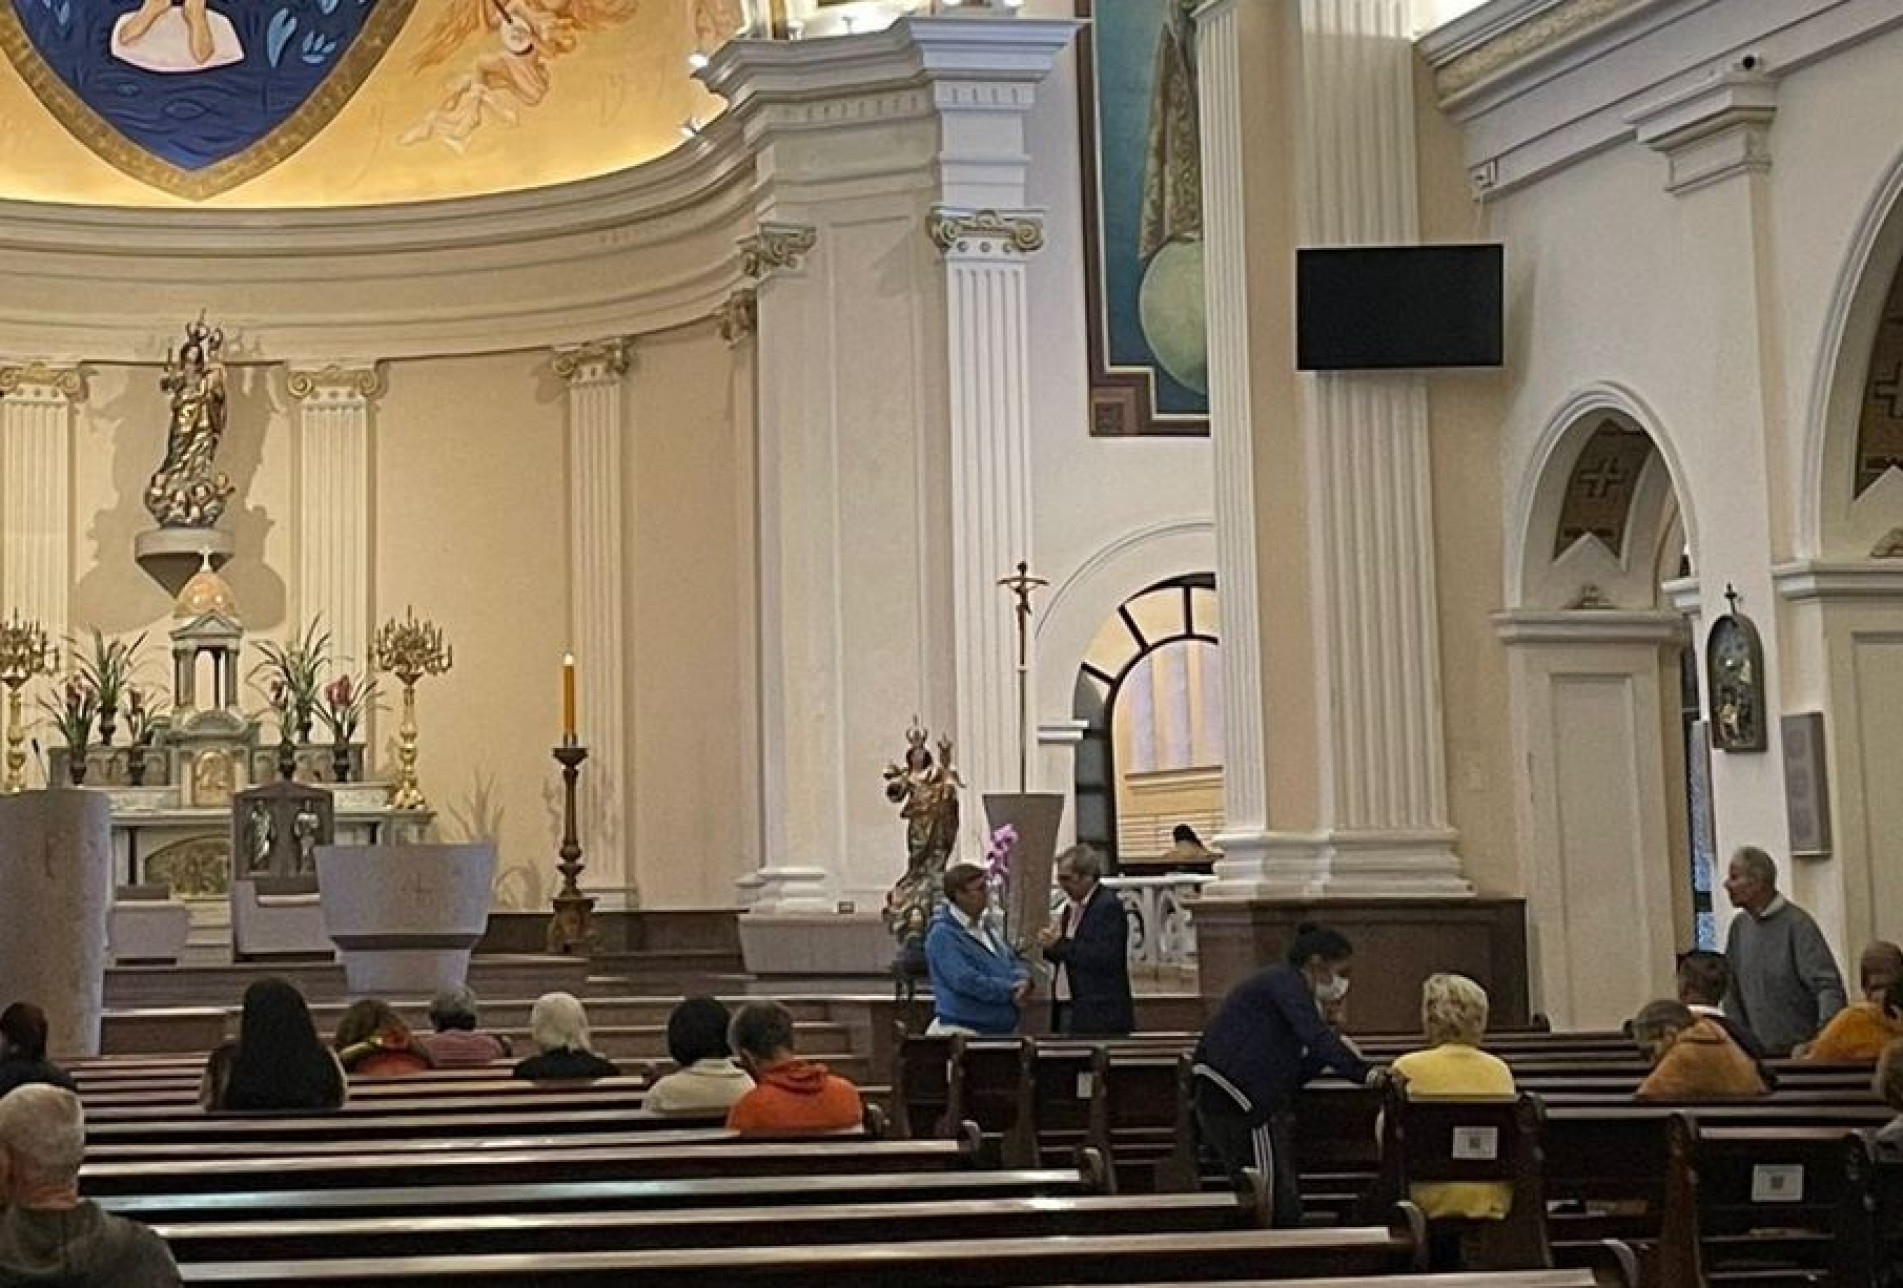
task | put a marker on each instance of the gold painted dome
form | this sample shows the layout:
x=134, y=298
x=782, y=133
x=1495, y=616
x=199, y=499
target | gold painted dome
x=206, y=592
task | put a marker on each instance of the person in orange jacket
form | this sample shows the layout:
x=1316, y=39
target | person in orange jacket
x=791, y=1096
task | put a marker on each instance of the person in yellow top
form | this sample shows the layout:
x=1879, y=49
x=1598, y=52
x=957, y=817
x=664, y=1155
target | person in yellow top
x=1858, y=1033
x=1454, y=1019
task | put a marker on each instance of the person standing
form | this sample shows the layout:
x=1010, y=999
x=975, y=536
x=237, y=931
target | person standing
x=1265, y=1042
x=1785, y=984
x=1089, y=945
x=978, y=983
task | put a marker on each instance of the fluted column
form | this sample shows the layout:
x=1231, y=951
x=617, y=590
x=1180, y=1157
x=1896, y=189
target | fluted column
x=597, y=430
x=36, y=458
x=334, y=539
x=738, y=321
x=990, y=408
x=1232, y=433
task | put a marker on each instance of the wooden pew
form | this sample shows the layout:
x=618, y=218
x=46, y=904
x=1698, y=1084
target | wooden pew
x=959, y=1263
x=1492, y=1140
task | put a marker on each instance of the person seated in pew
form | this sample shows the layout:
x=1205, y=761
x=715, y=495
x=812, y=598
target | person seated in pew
x=1454, y=1019
x=558, y=1025
x=278, y=1061
x=1692, y=1059
x=458, y=1041
x=1089, y=947
x=1266, y=1041
x=978, y=984
x=1863, y=1029
x=23, y=1050
x=706, y=1080
x=373, y=1042
x=1704, y=977
x=791, y=1096
x=48, y=1234
x=1888, y=1084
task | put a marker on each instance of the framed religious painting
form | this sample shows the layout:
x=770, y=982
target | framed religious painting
x=1143, y=219
x=1734, y=679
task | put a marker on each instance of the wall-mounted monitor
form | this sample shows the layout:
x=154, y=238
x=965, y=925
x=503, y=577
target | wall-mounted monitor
x=1363, y=308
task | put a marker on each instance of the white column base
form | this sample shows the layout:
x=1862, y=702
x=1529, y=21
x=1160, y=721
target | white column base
x=1319, y=865
x=792, y=890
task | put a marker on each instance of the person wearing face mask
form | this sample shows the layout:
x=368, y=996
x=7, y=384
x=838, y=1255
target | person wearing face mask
x=1265, y=1042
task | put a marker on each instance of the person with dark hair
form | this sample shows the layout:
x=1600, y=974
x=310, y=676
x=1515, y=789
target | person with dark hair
x=791, y=1096
x=373, y=1042
x=1691, y=1057
x=458, y=1042
x=564, y=1048
x=1089, y=946
x=278, y=1061
x=978, y=983
x=1265, y=1042
x=1704, y=977
x=48, y=1233
x=705, y=1079
x=23, y=1050
x=1861, y=1031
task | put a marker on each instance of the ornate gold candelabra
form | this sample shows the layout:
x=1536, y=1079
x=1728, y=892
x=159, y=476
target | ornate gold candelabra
x=25, y=652
x=571, y=930
x=410, y=650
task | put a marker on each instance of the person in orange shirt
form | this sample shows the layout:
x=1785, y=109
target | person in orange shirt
x=1858, y=1033
x=1692, y=1059
x=791, y=1096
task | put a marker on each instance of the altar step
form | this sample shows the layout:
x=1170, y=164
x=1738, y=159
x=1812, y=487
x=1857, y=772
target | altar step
x=222, y=984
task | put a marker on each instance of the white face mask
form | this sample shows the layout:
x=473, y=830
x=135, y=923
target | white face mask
x=1333, y=991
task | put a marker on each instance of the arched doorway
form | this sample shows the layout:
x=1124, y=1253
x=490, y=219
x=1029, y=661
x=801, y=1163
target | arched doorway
x=1149, y=698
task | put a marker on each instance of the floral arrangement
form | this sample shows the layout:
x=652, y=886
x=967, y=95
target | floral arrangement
x=293, y=670
x=73, y=713
x=998, y=856
x=347, y=700
x=138, y=716
x=108, y=672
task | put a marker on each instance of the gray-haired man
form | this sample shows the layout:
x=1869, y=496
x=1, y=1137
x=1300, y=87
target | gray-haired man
x=1785, y=984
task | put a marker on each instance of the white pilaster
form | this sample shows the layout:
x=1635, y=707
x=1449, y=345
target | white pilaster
x=597, y=429
x=989, y=359
x=36, y=458
x=1232, y=435
x=334, y=539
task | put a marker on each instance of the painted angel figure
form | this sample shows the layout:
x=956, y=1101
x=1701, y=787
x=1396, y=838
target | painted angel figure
x=522, y=37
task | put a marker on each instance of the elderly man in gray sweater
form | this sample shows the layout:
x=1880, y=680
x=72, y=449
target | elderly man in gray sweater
x=1785, y=985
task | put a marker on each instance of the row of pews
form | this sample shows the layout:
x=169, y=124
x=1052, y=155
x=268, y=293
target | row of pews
x=475, y=1177
x=1787, y=1190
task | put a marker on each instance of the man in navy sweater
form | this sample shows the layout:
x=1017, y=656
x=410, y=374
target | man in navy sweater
x=1089, y=944
x=1265, y=1042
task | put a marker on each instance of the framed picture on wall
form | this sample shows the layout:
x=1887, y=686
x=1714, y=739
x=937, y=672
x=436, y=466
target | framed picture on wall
x=1143, y=219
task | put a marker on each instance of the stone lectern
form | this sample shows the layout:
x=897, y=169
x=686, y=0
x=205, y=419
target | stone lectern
x=55, y=889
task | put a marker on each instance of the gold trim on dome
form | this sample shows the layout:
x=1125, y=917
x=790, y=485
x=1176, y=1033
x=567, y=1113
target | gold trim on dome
x=1009, y=232
x=596, y=360
x=775, y=247
x=1536, y=35
x=67, y=380
x=364, y=382
x=300, y=127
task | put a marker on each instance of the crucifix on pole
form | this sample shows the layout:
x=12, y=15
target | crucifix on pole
x=1021, y=585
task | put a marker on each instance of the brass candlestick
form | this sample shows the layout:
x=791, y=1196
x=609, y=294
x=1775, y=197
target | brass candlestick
x=410, y=650
x=571, y=931
x=25, y=652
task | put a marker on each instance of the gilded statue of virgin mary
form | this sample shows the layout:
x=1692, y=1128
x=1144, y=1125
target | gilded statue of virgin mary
x=186, y=492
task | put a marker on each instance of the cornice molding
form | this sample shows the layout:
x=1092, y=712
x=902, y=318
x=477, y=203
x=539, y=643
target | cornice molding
x=989, y=233
x=597, y=361
x=1711, y=131
x=1495, y=37
x=1817, y=579
x=68, y=381
x=336, y=382
x=1589, y=626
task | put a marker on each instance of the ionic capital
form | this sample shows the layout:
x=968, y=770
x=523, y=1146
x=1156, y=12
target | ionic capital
x=776, y=248
x=985, y=233
x=596, y=362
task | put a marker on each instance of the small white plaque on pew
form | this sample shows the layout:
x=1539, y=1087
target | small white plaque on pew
x=1086, y=1084
x=1477, y=1144
x=1777, y=1183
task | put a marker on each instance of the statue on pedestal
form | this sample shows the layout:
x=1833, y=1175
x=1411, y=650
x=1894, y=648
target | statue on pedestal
x=926, y=790
x=185, y=492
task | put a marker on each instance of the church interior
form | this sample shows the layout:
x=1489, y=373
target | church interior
x=614, y=496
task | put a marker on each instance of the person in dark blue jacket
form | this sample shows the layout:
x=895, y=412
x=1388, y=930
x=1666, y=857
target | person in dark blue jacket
x=1089, y=945
x=1265, y=1042
x=978, y=983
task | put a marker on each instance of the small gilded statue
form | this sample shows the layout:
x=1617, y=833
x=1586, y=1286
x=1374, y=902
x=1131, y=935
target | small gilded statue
x=186, y=492
x=925, y=788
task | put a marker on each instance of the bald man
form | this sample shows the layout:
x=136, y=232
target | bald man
x=1858, y=1034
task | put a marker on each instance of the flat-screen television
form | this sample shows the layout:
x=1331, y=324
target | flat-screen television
x=1373, y=307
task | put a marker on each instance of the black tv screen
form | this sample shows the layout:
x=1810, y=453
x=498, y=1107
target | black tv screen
x=1372, y=307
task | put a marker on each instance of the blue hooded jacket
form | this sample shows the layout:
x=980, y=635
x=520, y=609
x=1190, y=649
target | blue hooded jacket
x=972, y=987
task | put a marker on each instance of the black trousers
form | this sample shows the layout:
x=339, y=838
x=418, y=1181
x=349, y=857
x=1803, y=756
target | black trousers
x=1241, y=1140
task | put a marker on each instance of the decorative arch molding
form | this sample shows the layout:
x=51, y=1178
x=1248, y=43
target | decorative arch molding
x=1083, y=601
x=1539, y=492
x=1840, y=365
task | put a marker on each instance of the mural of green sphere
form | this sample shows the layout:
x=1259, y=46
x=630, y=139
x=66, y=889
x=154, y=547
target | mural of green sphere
x=1170, y=303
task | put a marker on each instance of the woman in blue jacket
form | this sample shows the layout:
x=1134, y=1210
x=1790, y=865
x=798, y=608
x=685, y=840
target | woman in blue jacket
x=978, y=983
